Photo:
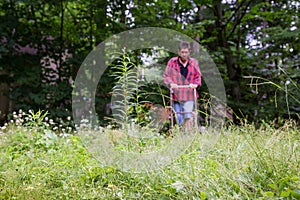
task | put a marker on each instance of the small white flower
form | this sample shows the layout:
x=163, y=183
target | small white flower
x=46, y=119
x=68, y=118
x=119, y=194
x=202, y=129
x=109, y=127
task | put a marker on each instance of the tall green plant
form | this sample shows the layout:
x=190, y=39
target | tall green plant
x=126, y=94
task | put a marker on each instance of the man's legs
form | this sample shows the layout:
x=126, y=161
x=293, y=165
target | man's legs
x=178, y=108
x=188, y=107
x=186, y=117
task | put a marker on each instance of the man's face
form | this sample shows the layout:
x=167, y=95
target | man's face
x=184, y=54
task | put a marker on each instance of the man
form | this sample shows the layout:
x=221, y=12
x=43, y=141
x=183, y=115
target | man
x=183, y=70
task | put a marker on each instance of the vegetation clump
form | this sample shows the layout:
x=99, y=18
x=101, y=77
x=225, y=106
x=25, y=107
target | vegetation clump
x=245, y=163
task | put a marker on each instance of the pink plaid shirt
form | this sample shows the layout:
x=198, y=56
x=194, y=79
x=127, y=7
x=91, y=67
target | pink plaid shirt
x=172, y=75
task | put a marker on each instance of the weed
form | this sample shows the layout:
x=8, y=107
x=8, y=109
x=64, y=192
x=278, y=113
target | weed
x=245, y=163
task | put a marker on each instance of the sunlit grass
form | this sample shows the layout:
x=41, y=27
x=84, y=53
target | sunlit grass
x=244, y=163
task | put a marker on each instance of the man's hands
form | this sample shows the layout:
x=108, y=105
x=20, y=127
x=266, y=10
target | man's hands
x=173, y=85
x=191, y=85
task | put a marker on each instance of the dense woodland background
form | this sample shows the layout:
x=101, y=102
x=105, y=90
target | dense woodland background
x=254, y=43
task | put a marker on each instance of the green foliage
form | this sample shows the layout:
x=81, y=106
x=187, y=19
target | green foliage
x=245, y=163
x=245, y=38
x=283, y=94
x=36, y=119
x=126, y=93
x=40, y=121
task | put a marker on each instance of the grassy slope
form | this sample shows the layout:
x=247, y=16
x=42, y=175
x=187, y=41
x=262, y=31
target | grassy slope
x=244, y=164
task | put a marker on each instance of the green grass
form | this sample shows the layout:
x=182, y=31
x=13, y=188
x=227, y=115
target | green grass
x=245, y=163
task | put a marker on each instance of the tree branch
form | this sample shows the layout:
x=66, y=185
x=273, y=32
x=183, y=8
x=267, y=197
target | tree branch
x=239, y=19
x=236, y=11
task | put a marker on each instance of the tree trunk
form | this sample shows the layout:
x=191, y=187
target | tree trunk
x=61, y=46
x=233, y=71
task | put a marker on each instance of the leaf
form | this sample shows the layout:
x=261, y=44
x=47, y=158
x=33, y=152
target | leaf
x=296, y=193
x=269, y=194
x=285, y=194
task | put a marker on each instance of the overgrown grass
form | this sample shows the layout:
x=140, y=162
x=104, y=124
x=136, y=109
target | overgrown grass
x=245, y=163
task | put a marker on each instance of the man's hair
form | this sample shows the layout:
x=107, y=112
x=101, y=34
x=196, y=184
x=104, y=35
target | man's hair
x=184, y=45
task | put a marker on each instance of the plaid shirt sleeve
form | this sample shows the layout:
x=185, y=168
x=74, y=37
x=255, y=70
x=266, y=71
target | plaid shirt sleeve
x=197, y=76
x=170, y=72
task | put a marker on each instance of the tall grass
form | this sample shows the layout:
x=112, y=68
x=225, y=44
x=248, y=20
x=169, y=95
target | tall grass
x=286, y=84
x=245, y=163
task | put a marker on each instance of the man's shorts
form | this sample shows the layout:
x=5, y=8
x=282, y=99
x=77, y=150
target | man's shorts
x=186, y=106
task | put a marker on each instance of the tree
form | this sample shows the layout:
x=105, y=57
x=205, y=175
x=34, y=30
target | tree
x=245, y=38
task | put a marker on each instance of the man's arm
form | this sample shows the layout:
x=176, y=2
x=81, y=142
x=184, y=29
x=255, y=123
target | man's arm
x=197, y=79
x=168, y=76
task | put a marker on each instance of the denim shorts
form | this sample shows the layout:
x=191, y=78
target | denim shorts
x=186, y=106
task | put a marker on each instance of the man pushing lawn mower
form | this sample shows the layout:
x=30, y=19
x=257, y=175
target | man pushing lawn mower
x=182, y=75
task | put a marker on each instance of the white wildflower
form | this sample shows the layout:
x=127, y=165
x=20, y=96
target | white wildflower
x=109, y=127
